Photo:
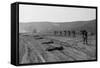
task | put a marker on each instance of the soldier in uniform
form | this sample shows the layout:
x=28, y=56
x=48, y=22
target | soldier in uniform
x=65, y=32
x=84, y=36
x=74, y=33
x=69, y=33
x=55, y=32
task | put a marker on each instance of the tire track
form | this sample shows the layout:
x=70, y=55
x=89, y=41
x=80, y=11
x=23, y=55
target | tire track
x=70, y=52
x=65, y=44
x=33, y=50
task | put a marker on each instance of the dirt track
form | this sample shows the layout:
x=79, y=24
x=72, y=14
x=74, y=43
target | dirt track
x=33, y=51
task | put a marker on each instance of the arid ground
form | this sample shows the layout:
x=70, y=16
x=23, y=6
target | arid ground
x=32, y=49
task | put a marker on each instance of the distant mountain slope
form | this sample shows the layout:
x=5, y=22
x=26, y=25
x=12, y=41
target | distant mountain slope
x=39, y=26
x=50, y=26
x=78, y=25
x=90, y=26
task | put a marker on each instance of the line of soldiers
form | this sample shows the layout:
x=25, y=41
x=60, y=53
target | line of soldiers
x=73, y=33
x=65, y=33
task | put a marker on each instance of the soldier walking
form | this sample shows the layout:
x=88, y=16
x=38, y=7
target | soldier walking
x=84, y=36
x=74, y=33
x=69, y=33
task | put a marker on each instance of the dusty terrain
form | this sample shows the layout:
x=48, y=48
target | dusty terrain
x=31, y=49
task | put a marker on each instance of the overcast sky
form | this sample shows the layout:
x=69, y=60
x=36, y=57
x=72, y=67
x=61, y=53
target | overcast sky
x=36, y=13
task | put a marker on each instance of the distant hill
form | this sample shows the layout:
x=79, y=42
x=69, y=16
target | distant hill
x=89, y=26
x=50, y=26
x=39, y=26
x=79, y=25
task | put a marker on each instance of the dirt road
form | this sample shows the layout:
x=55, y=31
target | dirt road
x=33, y=51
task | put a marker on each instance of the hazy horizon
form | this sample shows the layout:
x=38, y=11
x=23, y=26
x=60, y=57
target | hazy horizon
x=36, y=13
x=54, y=22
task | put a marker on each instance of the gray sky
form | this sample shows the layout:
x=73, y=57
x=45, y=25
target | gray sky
x=36, y=13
